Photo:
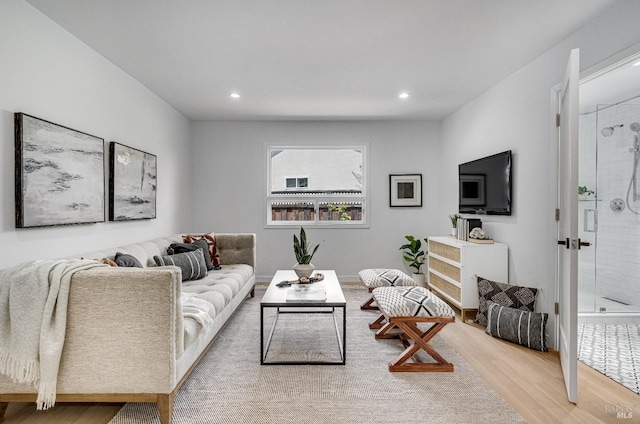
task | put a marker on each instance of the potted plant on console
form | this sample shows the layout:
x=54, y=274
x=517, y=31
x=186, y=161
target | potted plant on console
x=454, y=224
x=303, y=267
x=415, y=256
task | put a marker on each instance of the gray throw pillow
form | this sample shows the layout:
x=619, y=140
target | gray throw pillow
x=523, y=327
x=191, y=264
x=125, y=259
x=190, y=247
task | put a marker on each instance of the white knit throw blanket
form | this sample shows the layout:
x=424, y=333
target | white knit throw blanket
x=33, y=322
x=198, y=309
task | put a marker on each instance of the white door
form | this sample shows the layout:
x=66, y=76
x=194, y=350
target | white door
x=568, y=226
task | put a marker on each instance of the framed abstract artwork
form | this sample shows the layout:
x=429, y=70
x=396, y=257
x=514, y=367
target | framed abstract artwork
x=132, y=183
x=405, y=190
x=59, y=174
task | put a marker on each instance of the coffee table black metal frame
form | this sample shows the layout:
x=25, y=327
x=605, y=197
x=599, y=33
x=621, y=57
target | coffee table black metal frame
x=335, y=301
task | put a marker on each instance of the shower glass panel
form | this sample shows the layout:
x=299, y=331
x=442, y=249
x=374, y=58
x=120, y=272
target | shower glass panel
x=609, y=270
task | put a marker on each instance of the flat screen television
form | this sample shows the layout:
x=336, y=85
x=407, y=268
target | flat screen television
x=484, y=185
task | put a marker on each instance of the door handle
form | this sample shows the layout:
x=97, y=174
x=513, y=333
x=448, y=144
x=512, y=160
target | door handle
x=573, y=244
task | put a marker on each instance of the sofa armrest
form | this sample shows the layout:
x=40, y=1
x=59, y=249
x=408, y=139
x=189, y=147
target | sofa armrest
x=237, y=248
x=124, y=331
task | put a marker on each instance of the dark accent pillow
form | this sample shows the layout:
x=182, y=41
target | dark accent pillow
x=523, y=298
x=191, y=264
x=182, y=248
x=125, y=259
x=211, y=241
x=526, y=328
x=190, y=247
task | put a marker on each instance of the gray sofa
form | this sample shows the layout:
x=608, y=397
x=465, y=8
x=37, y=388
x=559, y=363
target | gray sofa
x=127, y=339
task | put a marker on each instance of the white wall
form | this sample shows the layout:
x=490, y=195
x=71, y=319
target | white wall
x=229, y=180
x=517, y=114
x=48, y=73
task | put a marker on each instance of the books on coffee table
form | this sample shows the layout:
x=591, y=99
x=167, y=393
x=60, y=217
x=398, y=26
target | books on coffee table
x=306, y=293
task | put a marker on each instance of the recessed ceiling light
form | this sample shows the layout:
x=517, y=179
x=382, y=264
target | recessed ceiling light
x=234, y=95
x=636, y=64
x=403, y=95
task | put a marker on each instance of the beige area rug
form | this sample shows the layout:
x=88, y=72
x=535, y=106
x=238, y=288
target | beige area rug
x=230, y=385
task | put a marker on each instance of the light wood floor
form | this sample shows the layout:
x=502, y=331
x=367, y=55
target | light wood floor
x=531, y=382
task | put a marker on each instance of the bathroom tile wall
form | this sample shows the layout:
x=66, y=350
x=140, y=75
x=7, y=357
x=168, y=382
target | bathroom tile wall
x=612, y=269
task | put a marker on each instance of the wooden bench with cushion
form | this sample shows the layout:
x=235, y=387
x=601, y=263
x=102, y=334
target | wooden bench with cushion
x=403, y=309
x=374, y=278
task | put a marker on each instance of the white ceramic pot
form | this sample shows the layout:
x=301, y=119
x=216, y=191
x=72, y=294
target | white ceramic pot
x=454, y=232
x=419, y=279
x=303, y=270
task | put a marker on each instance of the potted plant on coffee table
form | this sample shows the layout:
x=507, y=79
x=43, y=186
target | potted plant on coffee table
x=415, y=257
x=303, y=267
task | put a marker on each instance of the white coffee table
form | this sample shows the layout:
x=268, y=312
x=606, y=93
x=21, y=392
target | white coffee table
x=276, y=297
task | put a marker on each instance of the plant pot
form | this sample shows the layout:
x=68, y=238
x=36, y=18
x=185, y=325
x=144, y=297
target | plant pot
x=303, y=270
x=419, y=279
x=454, y=232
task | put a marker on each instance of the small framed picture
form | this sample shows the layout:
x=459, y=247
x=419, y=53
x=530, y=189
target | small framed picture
x=405, y=190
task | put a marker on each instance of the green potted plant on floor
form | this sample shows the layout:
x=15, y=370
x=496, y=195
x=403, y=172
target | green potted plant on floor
x=303, y=266
x=415, y=257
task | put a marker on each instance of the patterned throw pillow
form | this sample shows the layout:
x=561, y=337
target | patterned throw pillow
x=191, y=264
x=523, y=298
x=190, y=247
x=525, y=328
x=211, y=241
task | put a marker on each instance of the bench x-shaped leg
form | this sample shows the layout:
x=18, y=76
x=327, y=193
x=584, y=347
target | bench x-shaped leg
x=368, y=305
x=410, y=331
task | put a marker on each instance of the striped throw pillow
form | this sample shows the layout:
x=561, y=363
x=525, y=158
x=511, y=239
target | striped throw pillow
x=192, y=264
x=523, y=327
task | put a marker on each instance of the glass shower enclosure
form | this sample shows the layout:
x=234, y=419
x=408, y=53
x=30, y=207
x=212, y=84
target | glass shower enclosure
x=609, y=211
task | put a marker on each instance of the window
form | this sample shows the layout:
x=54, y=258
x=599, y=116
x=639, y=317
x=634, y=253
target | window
x=296, y=182
x=316, y=186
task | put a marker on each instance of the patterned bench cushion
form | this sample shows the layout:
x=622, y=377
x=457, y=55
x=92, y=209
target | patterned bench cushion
x=373, y=278
x=410, y=302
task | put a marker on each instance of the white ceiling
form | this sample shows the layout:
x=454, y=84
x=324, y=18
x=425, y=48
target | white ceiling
x=619, y=84
x=323, y=59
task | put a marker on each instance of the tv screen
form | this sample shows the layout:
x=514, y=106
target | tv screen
x=484, y=185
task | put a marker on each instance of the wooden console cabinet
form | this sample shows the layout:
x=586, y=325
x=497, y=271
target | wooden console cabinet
x=454, y=265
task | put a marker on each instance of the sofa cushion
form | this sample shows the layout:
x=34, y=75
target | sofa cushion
x=124, y=259
x=190, y=247
x=191, y=264
x=517, y=297
x=211, y=242
x=523, y=327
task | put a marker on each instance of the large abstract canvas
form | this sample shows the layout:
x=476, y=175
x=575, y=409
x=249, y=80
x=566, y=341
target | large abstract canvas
x=132, y=183
x=59, y=174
